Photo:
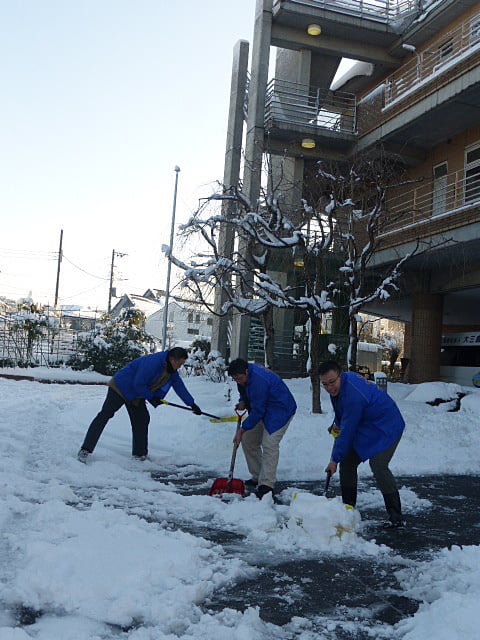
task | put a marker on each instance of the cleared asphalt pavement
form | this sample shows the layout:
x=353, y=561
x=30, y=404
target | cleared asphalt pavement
x=347, y=597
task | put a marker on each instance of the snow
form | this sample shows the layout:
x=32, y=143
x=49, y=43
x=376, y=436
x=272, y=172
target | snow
x=100, y=548
x=357, y=68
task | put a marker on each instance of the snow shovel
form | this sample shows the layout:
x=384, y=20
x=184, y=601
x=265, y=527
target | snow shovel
x=230, y=484
x=181, y=406
x=334, y=431
x=327, y=484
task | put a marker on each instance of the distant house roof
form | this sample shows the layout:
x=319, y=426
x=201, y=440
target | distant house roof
x=77, y=311
x=131, y=300
x=154, y=294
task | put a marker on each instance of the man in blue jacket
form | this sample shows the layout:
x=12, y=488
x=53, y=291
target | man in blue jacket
x=145, y=379
x=270, y=407
x=368, y=426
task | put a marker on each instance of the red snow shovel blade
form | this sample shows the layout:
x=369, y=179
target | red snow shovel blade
x=224, y=485
x=230, y=484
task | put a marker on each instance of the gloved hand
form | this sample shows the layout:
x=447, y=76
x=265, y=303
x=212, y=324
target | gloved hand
x=334, y=431
x=155, y=402
x=196, y=410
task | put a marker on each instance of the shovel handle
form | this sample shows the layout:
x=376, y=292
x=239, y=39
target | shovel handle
x=240, y=415
x=181, y=406
x=327, y=482
x=232, y=462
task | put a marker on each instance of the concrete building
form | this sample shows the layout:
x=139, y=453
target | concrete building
x=414, y=93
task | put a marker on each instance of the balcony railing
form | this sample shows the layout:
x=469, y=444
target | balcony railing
x=442, y=54
x=385, y=10
x=431, y=199
x=308, y=107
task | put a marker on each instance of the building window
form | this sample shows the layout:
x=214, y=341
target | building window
x=446, y=50
x=472, y=174
x=190, y=318
x=475, y=30
x=193, y=332
x=209, y=322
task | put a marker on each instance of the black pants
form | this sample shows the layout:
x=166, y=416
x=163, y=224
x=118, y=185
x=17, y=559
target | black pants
x=379, y=465
x=139, y=419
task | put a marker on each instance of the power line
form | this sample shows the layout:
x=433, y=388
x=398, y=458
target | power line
x=25, y=254
x=80, y=293
x=83, y=270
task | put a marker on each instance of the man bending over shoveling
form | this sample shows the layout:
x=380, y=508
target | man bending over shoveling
x=147, y=378
x=270, y=407
x=368, y=426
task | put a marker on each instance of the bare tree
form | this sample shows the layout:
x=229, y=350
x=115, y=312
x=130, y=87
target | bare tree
x=357, y=193
x=334, y=237
x=244, y=275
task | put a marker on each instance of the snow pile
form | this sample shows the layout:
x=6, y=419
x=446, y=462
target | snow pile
x=448, y=588
x=104, y=550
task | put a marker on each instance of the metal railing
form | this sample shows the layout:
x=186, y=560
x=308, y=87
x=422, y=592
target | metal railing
x=431, y=199
x=384, y=10
x=442, y=53
x=290, y=349
x=52, y=347
x=310, y=107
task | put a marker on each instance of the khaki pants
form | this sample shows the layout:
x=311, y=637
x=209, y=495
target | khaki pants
x=261, y=450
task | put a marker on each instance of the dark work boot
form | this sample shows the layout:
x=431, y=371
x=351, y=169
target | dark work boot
x=262, y=490
x=349, y=495
x=394, y=510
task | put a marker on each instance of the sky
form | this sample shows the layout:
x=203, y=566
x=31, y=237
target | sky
x=66, y=529
x=100, y=100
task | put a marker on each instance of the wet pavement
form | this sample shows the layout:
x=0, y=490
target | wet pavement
x=334, y=597
x=353, y=596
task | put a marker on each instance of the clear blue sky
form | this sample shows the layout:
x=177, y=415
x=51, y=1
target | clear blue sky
x=100, y=99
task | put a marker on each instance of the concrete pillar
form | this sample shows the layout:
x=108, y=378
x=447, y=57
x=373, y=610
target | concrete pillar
x=288, y=172
x=294, y=66
x=231, y=178
x=287, y=176
x=252, y=173
x=426, y=338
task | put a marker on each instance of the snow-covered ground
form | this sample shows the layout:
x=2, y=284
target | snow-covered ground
x=100, y=549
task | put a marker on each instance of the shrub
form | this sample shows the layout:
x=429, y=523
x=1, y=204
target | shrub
x=114, y=343
x=212, y=366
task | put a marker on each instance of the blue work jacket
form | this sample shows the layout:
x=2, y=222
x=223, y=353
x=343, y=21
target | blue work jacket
x=268, y=399
x=368, y=418
x=138, y=377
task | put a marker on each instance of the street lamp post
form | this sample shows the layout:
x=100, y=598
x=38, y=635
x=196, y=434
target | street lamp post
x=169, y=267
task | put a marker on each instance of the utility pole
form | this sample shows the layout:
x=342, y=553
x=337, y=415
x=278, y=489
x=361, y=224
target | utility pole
x=169, y=268
x=60, y=254
x=110, y=288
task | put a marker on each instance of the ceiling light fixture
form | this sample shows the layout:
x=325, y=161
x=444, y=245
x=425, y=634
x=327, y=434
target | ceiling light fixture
x=314, y=30
x=308, y=143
